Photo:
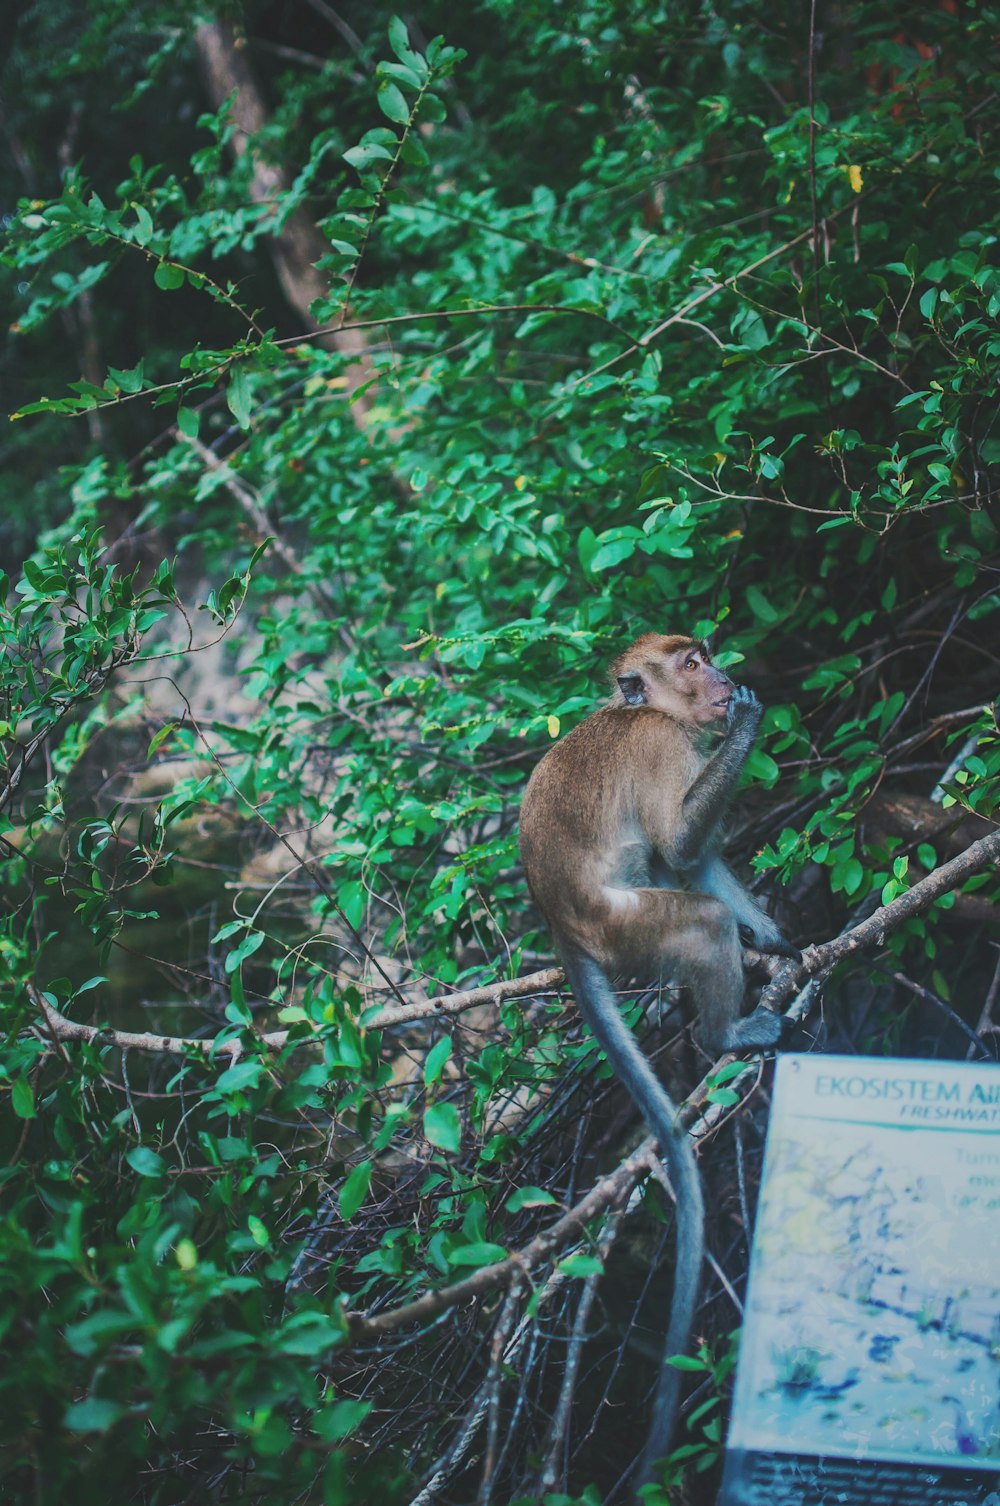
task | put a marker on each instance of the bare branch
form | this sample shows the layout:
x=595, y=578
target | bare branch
x=63, y=1029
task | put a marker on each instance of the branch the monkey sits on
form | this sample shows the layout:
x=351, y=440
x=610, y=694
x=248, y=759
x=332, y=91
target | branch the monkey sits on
x=621, y=827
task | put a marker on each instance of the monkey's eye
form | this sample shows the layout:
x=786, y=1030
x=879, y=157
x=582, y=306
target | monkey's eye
x=691, y=664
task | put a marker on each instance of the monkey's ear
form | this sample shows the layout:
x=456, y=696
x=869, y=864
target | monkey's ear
x=632, y=689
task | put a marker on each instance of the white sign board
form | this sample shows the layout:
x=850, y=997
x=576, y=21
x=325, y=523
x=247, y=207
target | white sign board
x=869, y=1370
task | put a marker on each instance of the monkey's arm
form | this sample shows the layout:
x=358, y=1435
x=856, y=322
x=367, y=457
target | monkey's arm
x=705, y=802
x=756, y=927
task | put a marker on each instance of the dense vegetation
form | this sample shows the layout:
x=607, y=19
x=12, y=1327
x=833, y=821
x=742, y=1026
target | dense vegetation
x=628, y=315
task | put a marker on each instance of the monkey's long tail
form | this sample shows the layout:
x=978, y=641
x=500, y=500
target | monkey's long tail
x=599, y=1008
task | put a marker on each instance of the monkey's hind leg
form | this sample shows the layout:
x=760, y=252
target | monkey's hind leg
x=714, y=973
x=694, y=939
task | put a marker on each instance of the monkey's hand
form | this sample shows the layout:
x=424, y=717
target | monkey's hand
x=743, y=711
x=765, y=937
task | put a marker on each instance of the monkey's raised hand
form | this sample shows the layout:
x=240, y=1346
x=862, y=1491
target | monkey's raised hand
x=704, y=805
x=744, y=709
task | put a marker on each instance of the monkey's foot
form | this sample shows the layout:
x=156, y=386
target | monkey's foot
x=760, y=1031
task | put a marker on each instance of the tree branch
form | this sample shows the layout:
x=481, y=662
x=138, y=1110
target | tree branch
x=819, y=961
x=64, y=1029
x=609, y=1191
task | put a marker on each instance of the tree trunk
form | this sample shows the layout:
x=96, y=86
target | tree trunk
x=298, y=245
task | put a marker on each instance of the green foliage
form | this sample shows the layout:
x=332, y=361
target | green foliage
x=625, y=338
x=703, y=1424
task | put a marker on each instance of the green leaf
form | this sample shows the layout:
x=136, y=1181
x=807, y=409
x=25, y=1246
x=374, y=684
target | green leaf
x=242, y=1075
x=186, y=1254
x=251, y=942
x=612, y=553
x=402, y=74
x=586, y=547
x=168, y=276
x=392, y=102
x=436, y=1058
x=399, y=41
x=363, y=157
x=581, y=1264
x=338, y=1419
x=762, y=766
x=309, y=1334
x=93, y=1415
x=143, y=230
x=23, y=1099
x=413, y=151
x=160, y=737
x=442, y=1127
x=238, y=396
x=292, y=1014
x=686, y=1362
x=529, y=1197
x=760, y=606
x=726, y=1073
x=725, y=1097
x=354, y=1190
x=145, y=1161
x=432, y=108
x=482, y=1252
x=129, y=381
x=258, y=1231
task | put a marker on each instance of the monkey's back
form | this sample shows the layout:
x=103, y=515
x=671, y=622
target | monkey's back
x=586, y=817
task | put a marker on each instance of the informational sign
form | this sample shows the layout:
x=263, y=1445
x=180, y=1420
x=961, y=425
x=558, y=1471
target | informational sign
x=869, y=1370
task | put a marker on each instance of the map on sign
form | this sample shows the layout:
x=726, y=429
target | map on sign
x=870, y=1361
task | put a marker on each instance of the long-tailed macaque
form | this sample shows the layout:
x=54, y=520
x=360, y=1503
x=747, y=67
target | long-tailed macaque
x=620, y=833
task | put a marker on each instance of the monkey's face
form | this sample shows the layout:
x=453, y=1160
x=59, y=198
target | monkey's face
x=706, y=688
x=674, y=675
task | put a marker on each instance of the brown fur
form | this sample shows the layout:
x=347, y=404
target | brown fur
x=621, y=824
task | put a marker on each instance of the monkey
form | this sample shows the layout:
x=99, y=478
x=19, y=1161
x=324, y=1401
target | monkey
x=621, y=826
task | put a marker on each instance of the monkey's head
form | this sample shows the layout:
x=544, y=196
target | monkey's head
x=674, y=675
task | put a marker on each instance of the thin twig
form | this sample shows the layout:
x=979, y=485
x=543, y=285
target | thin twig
x=338, y=23
x=491, y=1388
x=946, y=1009
x=812, y=158
x=258, y=518
x=557, y=1433
x=446, y=1467
x=985, y=1021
